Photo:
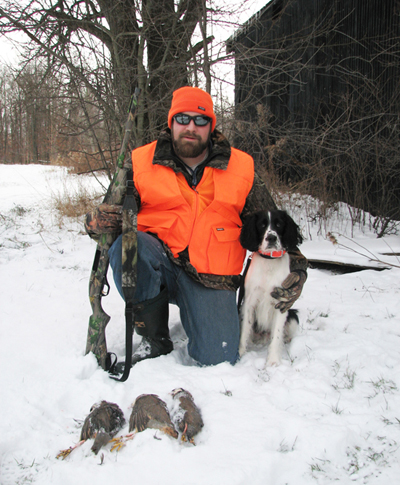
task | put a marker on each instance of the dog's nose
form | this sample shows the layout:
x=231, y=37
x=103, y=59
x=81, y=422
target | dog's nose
x=271, y=238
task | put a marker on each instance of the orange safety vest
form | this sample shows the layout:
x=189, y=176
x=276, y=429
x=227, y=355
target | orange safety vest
x=205, y=219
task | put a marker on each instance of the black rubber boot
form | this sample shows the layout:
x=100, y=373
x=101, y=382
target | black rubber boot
x=151, y=322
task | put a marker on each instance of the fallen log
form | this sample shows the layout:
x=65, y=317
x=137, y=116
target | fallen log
x=340, y=267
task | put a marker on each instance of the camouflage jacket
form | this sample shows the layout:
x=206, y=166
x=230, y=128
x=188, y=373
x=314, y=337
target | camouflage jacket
x=103, y=220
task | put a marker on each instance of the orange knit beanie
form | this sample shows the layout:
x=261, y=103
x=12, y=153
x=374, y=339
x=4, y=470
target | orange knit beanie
x=192, y=99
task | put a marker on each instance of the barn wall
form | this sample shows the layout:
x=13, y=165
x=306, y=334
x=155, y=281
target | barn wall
x=322, y=78
x=295, y=58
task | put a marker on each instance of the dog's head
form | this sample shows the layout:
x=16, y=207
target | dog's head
x=270, y=231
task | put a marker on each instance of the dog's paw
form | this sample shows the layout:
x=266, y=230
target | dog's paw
x=273, y=361
x=242, y=350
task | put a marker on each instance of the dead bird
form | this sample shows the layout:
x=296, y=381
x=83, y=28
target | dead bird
x=149, y=411
x=188, y=417
x=102, y=423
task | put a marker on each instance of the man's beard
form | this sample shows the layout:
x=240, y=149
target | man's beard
x=187, y=149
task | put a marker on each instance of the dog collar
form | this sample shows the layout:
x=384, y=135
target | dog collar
x=271, y=254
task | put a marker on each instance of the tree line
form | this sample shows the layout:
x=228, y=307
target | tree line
x=42, y=121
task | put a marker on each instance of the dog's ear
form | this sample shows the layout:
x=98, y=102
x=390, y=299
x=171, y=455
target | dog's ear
x=292, y=236
x=249, y=237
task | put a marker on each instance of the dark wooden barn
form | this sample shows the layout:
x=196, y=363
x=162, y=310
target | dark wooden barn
x=317, y=96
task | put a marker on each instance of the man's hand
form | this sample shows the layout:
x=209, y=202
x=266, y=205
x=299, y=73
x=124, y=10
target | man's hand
x=290, y=290
x=104, y=219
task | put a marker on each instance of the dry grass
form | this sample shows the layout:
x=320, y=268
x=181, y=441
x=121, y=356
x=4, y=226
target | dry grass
x=75, y=205
x=75, y=201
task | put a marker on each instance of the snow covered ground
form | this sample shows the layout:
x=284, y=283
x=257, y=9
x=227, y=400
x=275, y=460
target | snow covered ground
x=329, y=413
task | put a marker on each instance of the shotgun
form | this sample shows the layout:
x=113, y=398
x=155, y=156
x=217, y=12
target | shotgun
x=98, y=283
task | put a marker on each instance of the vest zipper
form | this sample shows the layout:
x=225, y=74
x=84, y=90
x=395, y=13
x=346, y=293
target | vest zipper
x=196, y=206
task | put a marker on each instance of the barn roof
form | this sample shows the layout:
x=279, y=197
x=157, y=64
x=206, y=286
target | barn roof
x=244, y=29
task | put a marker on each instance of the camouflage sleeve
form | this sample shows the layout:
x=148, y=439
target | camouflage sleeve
x=104, y=219
x=259, y=198
x=298, y=262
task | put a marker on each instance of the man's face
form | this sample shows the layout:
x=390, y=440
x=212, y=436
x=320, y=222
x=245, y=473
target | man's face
x=190, y=141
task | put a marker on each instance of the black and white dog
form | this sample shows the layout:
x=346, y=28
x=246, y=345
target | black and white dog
x=269, y=235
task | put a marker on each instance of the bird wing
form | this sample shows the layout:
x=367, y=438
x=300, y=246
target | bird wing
x=87, y=429
x=139, y=418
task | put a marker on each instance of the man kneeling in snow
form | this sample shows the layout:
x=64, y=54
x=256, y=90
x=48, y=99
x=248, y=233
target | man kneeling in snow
x=193, y=191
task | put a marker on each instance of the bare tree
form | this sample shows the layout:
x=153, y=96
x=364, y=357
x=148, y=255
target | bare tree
x=107, y=48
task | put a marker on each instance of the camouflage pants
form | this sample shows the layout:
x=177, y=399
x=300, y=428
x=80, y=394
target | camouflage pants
x=209, y=316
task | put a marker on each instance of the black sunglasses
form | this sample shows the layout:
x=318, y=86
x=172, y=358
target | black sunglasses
x=199, y=120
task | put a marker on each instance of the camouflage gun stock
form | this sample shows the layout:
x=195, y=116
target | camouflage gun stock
x=98, y=284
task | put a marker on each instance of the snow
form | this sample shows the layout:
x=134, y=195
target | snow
x=329, y=413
